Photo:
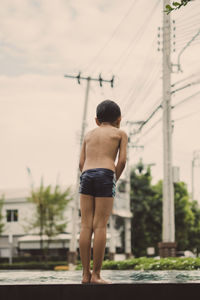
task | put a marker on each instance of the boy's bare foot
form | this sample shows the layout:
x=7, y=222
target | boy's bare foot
x=86, y=278
x=97, y=279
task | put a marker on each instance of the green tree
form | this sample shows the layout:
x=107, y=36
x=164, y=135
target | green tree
x=187, y=213
x=2, y=199
x=145, y=224
x=194, y=233
x=50, y=206
x=176, y=5
x=146, y=206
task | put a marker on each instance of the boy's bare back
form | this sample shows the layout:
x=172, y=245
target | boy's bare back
x=100, y=148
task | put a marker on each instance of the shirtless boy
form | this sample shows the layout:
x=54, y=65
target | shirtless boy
x=97, y=184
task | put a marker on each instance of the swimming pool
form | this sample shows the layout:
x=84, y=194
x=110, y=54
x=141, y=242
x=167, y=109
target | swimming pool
x=18, y=277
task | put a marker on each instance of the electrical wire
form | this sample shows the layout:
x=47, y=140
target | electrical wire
x=187, y=116
x=184, y=20
x=112, y=36
x=140, y=84
x=148, y=90
x=186, y=99
x=155, y=136
x=184, y=79
x=145, y=88
x=136, y=37
x=146, y=60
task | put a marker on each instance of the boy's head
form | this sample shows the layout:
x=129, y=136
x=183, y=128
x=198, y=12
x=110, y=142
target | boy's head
x=108, y=111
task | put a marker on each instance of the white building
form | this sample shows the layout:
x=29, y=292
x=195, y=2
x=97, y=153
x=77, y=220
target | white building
x=21, y=240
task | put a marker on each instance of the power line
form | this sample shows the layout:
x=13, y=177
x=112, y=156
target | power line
x=187, y=116
x=186, y=99
x=138, y=35
x=149, y=117
x=151, y=139
x=152, y=127
x=148, y=90
x=188, y=18
x=146, y=60
x=185, y=86
x=157, y=122
x=184, y=79
x=145, y=88
x=185, y=47
x=112, y=35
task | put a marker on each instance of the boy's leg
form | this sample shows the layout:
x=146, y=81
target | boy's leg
x=103, y=209
x=87, y=213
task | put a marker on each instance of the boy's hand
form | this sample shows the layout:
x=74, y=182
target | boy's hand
x=82, y=156
x=122, y=155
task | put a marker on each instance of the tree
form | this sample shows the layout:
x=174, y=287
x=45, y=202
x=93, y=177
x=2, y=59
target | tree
x=194, y=233
x=187, y=221
x=2, y=199
x=146, y=206
x=176, y=5
x=50, y=207
x=145, y=224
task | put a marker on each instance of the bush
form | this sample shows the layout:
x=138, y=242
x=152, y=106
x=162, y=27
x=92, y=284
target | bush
x=32, y=265
x=32, y=258
x=144, y=263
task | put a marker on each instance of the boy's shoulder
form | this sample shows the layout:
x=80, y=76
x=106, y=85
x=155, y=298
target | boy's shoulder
x=120, y=132
x=123, y=134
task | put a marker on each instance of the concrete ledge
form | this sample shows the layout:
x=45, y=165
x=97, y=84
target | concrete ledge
x=138, y=291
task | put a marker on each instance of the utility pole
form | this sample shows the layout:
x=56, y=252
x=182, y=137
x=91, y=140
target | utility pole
x=72, y=255
x=128, y=251
x=168, y=246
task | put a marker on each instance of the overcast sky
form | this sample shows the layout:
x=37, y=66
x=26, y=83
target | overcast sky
x=41, y=111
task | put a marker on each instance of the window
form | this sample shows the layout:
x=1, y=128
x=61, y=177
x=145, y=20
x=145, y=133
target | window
x=12, y=215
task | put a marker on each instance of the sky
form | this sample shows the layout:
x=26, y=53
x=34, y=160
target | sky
x=41, y=110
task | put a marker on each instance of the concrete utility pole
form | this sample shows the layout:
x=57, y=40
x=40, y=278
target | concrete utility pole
x=72, y=255
x=128, y=251
x=167, y=246
x=112, y=242
x=127, y=193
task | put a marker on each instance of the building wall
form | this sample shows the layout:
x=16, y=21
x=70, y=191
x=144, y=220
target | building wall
x=16, y=200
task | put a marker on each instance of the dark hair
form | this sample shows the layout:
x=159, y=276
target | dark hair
x=108, y=111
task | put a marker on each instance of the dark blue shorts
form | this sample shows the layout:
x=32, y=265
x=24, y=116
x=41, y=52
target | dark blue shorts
x=98, y=182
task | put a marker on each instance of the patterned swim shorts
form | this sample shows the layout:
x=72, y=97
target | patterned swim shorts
x=98, y=182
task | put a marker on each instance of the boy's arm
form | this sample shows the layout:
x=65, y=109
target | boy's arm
x=122, y=155
x=82, y=156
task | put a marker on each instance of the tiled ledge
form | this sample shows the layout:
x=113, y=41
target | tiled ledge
x=138, y=291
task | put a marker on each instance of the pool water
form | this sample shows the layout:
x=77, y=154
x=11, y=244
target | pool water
x=13, y=277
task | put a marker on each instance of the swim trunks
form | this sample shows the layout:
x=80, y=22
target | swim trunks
x=98, y=182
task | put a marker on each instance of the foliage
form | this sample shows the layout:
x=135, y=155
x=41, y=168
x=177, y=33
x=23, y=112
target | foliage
x=2, y=199
x=187, y=221
x=176, y=5
x=146, y=206
x=34, y=265
x=50, y=207
x=144, y=263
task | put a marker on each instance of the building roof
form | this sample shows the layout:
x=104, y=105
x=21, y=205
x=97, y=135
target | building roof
x=59, y=237
x=122, y=213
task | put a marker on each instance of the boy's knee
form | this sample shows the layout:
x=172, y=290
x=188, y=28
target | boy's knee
x=87, y=226
x=97, y=225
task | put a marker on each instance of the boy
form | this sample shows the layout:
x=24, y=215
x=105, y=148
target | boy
x=97, y=184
